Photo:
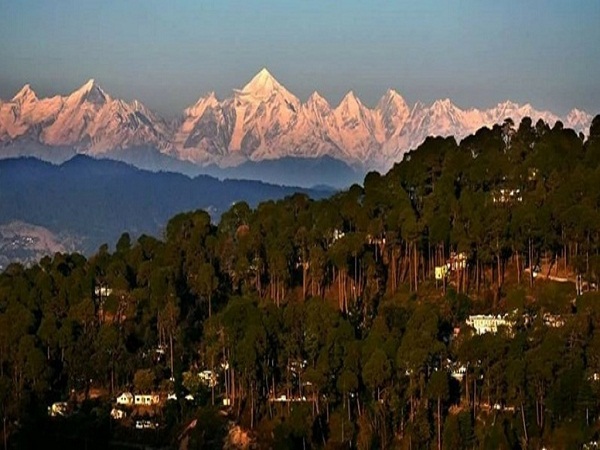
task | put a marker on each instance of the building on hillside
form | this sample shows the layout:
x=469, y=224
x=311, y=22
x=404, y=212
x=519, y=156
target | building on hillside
x=58, y=409
x=146, y=425
x=553, y=320
x=208, y=378
x=146, y=399
x=457, y=261
x=102, y=291
x=125, y=399
x=506, y=196
x=375, y=240
x=488, y=323
x=117, y=414
x=441, y=272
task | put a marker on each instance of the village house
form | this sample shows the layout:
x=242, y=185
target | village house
x=488, y=323
x=117, y=414
x=102, y=291
x=208, y=378
x=553, y=320
x=125, y=399
x=58, y=409
x=146, y=399
x=507, y=196
x=145, y=425
x=457, y=370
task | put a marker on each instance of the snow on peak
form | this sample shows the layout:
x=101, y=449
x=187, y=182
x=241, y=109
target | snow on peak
x=90, y=92
x=392, y=94
x=262, y=85
x=578, y=120
x=260, y=121
x=507, y=105
x=443, y=104
x=209, y=100
x=89, y=85
x=26, y=94
x=578, y=114
x=317, y=99
x=392, y=102
x=351, y=103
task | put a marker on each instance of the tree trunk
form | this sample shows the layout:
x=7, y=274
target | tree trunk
x=530, y=250
x=171, y=345
x=524, y=423
x=439, y=424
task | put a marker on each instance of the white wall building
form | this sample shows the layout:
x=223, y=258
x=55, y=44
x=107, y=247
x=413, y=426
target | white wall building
x=488, y=323
x=146, y=399
x=126, y=399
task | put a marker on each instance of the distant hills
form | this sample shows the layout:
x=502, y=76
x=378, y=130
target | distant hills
x=261, y=122
x=85, y=202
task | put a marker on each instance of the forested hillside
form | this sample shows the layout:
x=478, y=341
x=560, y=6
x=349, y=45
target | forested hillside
x=94, y=201
x=337, y=323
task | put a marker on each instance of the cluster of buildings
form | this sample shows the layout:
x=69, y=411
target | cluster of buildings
x=489, y=323
x=457, y=261
x=507, y=196
x=129, y=399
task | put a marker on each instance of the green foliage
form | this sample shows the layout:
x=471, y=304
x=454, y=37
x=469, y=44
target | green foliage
x=322, y=319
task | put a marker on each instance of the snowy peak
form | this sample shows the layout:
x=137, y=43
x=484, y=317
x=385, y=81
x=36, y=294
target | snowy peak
x=351, y=107
x=260, y=121
x=88, y=120
x=393, y=112
x=209, y=100
x=391, y=99
x=578, y=120
x=316, y=108
x=262, y=86
x=91, y=93
x=25, y=95
x=316, y=99
x=443, y=105
x=350, y=102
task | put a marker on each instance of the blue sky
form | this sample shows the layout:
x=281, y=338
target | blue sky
x=167, y=54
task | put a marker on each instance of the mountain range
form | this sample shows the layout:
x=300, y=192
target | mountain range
x=84, y=202
x=262, y=121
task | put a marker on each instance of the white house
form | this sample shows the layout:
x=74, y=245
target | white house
x=208, y=378
x=146, y=399
x=117, y=414
x=102, y=291
x=125, y=399
x=458, y=372
x=507, y=196
x=58, y=409
x=553, y=321
x=488, y=323
x=145, y=425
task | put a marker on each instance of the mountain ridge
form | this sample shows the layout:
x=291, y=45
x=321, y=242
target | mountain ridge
x=261, y=121
x=94, y=200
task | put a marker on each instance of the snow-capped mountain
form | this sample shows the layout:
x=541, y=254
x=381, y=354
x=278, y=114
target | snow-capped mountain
x=578, y=120
x=261, y=121
x=88, y=120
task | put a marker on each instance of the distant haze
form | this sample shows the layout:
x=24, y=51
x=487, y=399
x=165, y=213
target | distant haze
x=474, y=51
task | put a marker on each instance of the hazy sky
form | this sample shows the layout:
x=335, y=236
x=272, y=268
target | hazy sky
x=168, y=53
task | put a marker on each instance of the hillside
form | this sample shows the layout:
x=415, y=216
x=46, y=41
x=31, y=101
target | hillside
x=94, y=201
